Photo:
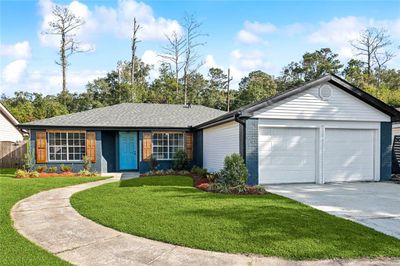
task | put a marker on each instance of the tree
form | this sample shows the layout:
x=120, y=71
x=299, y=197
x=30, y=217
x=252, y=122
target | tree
x=65, y=24
x=135, y=40
x=372, y=46
x=256, y=86
x=172, y=54
x=214, y=93
x=312, y=66
x=354, y=73
x=162, y=89
x=191, y=59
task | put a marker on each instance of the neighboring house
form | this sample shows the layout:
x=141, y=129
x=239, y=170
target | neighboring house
x=8, y=126
x=324, y=131
x=396, y=127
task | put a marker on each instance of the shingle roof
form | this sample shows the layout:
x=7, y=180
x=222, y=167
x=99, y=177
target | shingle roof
x=133, y=115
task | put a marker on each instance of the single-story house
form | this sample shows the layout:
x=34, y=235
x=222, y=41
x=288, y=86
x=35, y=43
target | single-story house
x=8, y=126
x=324, y=131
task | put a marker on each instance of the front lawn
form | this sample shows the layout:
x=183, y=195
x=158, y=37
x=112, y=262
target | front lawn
x=14, y=248
x=169, y=209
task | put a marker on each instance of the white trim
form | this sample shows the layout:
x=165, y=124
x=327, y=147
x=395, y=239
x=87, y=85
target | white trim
x=67, y=160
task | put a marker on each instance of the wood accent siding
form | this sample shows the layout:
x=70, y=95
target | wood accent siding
x=41, y=147
x=340, y=106
x=189, y=145
x=91, y=146
x=147, y=146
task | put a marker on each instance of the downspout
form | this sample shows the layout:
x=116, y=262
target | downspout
x=242, y=135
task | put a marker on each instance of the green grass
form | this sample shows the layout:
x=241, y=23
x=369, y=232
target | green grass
x=169, y=209
x=14, y=248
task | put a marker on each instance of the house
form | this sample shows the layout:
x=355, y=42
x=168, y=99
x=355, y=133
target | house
x=8, y=126
x=324, y=131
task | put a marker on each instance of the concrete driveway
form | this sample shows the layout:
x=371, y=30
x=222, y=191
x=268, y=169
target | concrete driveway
x=376, y=205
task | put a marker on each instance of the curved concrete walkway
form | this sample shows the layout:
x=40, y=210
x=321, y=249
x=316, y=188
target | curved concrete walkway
x=48, y=220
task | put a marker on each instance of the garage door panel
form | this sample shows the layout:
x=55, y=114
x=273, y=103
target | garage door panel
x=348, y=155
x=287, y=155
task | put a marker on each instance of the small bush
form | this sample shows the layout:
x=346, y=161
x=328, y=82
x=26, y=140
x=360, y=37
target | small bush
x=87, y=173
x=28, y=158
x=235, y=172
x=21, y=173
x=153, y=163
x=52, y=169
x=211, y=177
x=180, y=161
x=65, y=168
x=41, y=168
x=34, y=174
x=199, y=171
x=218, y=187
x=87, y=164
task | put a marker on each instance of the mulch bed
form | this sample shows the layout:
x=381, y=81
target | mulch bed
x=62, y=174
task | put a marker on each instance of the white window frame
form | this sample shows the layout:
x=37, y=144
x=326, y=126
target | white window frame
x=67, y=146
x=168, y=144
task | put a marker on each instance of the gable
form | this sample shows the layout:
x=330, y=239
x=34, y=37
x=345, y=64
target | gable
x=308, y=104
x=8, y=132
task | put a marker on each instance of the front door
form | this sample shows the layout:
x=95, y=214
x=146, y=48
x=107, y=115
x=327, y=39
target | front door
x=128, y=150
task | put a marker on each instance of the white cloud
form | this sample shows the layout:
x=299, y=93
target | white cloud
x=252, y=32
x=210, y=62
x=49, y=82
x=258, y=27
x=19, y=50
x=244, y=62
x=339, y=32
x=295, y=28
x=104, y=19
x=151, y=57
x=248, y=37
x=13, y=72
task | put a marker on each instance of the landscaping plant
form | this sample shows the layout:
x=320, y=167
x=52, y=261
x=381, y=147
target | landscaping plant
x=234, y=172
x=180, y=161
x=153, y=164
x=199, y=171
x=28, y=158
x=41, y=168
x=52, y=169
x=21, y=173
x=87, y=164
x=65, y=168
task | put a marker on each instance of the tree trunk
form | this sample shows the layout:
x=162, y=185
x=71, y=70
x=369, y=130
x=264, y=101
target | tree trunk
x=63, y=67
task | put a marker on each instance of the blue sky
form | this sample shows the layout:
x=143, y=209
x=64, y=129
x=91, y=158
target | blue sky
x=242, y=35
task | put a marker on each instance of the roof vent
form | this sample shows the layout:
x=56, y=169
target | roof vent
x=325, y=92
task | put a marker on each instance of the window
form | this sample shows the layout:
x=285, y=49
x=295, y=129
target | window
x=165, y=145
x=66, y=146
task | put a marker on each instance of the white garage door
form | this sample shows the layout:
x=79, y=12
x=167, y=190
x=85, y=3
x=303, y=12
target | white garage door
x=287, y=155
x=348, y=155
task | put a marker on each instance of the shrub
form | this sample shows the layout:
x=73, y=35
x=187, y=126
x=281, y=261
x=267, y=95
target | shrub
x=234, y=172
x=28, y=158
x=52, y=169
x=34, y=174
x=41, y=168
x=218, y=187
x=199, y=171
x=153, y=163
x=21, y=173
x=180, y=161
x=87, y=173
x=211, y=177
x=65, y=168
x=87, y=164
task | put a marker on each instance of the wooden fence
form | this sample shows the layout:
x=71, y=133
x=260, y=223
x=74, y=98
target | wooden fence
x=12, y=154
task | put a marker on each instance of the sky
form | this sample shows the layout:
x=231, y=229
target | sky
x=241, y=35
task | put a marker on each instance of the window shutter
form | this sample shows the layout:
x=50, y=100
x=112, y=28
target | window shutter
x=147, y=146
x=189, y=145
x=91, y=146
x=41, y=151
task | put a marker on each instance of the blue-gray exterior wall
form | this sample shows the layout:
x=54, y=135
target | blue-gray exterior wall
x=76, y=166
x=198, y=148
x=251, y=149
x=386, y=151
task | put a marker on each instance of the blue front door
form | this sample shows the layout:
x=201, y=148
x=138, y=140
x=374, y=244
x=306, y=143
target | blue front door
x=128, y=150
